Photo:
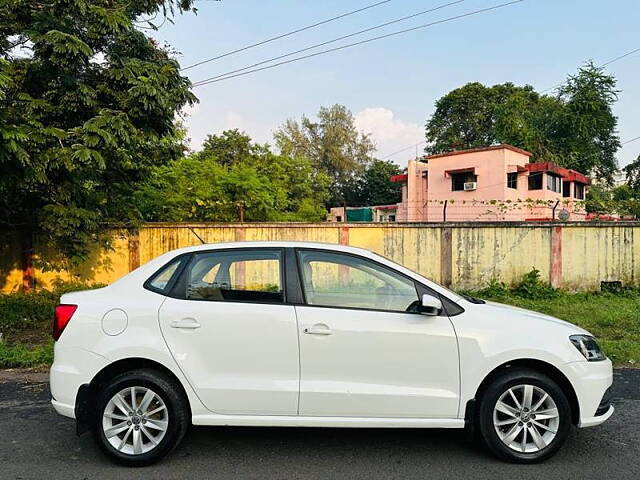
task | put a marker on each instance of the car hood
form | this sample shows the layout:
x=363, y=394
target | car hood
x=509, y=310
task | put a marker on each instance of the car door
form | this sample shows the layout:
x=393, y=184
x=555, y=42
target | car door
x=362, y=352
x=232, y=334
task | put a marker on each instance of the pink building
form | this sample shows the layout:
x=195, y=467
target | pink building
x=489, y=184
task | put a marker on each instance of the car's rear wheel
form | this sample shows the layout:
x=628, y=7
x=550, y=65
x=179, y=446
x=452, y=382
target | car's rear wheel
x=140, y=417
x=524, y=416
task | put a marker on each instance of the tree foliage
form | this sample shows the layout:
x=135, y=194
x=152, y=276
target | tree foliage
x=234, y=179
x=622, y=200
x=87, y=107
x=632, y=172
x=575, y=128
x=374, y=187
x=332, y=144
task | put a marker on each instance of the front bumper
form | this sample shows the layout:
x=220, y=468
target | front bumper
x=597, y=420
x=592, y=382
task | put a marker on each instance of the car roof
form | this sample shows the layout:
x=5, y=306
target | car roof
x=274, y=244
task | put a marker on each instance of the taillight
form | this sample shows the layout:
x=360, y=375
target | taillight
x=61, y=319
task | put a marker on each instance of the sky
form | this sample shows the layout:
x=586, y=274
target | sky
x=391, y=85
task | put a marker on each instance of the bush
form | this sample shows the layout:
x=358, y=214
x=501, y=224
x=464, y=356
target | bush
x=532, y=287
x=25, y=312
x=494, y=289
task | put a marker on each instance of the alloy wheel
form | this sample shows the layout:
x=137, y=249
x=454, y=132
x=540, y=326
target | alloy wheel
x=135, y=420
x=526, y=418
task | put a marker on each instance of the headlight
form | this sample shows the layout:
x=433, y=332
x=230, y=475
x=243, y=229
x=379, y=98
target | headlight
x=588, y=347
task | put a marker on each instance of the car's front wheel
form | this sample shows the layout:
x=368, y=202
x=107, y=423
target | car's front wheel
x=524, y=416
x=140, y=417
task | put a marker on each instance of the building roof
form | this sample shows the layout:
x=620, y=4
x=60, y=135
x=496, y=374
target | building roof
x=503, y=146
x=567, y=173
x=399, y=178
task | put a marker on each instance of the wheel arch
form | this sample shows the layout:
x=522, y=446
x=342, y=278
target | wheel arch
x=538, y=365
x=87, y=392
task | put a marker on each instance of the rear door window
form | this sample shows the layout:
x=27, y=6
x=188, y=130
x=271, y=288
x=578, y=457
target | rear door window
x=236, y=276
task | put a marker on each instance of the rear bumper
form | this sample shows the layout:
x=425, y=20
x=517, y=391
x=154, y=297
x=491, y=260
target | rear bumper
x=72, y=367
x=591, y=382
x=63, y=408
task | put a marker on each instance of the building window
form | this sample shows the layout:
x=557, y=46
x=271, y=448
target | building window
x=512, y=180
x=535, y=181
x=554, y=183
x=566, y=189
x=578, y=190
x=459, y=179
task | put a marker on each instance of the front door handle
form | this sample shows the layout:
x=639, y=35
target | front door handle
x=186, y=323
x=318, y=329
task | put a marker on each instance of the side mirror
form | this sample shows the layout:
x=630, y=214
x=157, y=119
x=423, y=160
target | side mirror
x=430, y=305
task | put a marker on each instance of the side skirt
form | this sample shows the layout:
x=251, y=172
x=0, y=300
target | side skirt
x=341, y=422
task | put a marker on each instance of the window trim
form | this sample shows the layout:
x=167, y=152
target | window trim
x=416, y=285
x=291, y=272
x=283, y=276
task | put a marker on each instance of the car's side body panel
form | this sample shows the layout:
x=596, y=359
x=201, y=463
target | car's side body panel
x=377, y=364
x=320, y=421
x=141, y=338
x=492, y=335
x=242, y=359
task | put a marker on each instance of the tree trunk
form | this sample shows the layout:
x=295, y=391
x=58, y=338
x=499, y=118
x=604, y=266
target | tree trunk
x=26, y=242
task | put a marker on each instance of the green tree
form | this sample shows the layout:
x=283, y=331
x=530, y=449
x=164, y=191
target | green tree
x=587, y=139
x=632, y=172
x=243, y=182
x=333, y=145
x=232, y=146
x=621, y=200
x=576, y=128
x=374, y=187
x=465, y=117
x=87, y=108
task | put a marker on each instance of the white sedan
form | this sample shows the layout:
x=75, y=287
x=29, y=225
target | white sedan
x=314, y=335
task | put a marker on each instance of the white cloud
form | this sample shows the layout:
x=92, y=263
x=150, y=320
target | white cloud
x=389, y=133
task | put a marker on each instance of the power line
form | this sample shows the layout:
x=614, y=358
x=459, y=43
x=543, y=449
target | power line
x=399, y=32
x=631, y=140
x=403, y=150
x=609, y=62
x=278, y=37
x=376, y=27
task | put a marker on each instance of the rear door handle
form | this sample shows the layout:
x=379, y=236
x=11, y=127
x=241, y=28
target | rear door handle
x=186, y=323
x=318, y=329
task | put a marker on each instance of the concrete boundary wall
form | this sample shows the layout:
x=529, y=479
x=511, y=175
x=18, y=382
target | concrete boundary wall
x=576, y=256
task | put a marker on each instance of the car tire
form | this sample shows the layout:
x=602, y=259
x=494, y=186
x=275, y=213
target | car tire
x=147, y=433
x=524, y=416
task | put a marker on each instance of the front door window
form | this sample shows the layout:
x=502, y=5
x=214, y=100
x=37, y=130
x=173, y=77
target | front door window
x=339, y=280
